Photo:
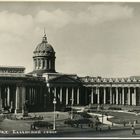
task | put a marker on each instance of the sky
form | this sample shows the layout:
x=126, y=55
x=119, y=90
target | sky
x=89, y=38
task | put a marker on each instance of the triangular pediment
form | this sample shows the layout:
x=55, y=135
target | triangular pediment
x=64, y=79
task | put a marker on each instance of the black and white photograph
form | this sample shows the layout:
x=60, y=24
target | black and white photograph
x=69, y=69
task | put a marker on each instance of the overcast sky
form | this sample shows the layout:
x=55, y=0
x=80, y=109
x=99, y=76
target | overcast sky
x=95, y=39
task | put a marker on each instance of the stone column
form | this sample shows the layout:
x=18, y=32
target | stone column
x=67, y=92
x=35, y=94
x=0, y=100
x=17, y=100
x=110, y=95
x=55, y=92
x=104, y=95
x=61, y=91
x=8, y=96
x=120, y=96
x=49, y=64
x=45, y=64
x=30, y=95
x=41, y=63
x=117, y=95
x=36, y=64
x=92, y=95
x=78, y=96
x=113, y=98
x=72, y=96
x=134, y=102
x=123, y=95
x=23, y=97
x=98, y=96
x=129, y=96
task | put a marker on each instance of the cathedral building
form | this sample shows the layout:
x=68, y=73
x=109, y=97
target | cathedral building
x=39, y=87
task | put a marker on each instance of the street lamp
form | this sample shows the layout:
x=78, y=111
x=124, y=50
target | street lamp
x=54, y=102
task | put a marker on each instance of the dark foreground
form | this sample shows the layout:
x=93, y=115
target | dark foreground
x=119, y=133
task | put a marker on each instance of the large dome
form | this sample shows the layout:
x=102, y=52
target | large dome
x=44, y=48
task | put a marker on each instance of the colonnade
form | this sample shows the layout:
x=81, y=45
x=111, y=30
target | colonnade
x=41, y=63
x=34, y=95
x=14, y=97
x=115, y=95
x=66, y=95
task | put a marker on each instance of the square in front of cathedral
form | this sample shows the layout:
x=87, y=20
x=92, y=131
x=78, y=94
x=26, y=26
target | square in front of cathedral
x=85, y=78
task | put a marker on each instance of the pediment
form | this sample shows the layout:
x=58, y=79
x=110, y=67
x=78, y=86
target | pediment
x=64, y=79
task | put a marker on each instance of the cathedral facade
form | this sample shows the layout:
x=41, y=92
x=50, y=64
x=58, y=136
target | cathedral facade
x=39, y=87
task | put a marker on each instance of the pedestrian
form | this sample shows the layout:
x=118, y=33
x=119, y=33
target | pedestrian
x=96, y=128
x=31, y=127
x=57, y=115
x=133, y=130
x=124, y=123
x=109, y=127
x=77, y=125
x=112, y=123
x=81, y=126
x=100, y=128
x=107, y=118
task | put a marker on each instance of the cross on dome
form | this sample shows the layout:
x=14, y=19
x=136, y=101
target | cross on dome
x=44, y=40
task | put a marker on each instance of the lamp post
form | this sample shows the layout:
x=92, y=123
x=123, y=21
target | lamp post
x=54, y=102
